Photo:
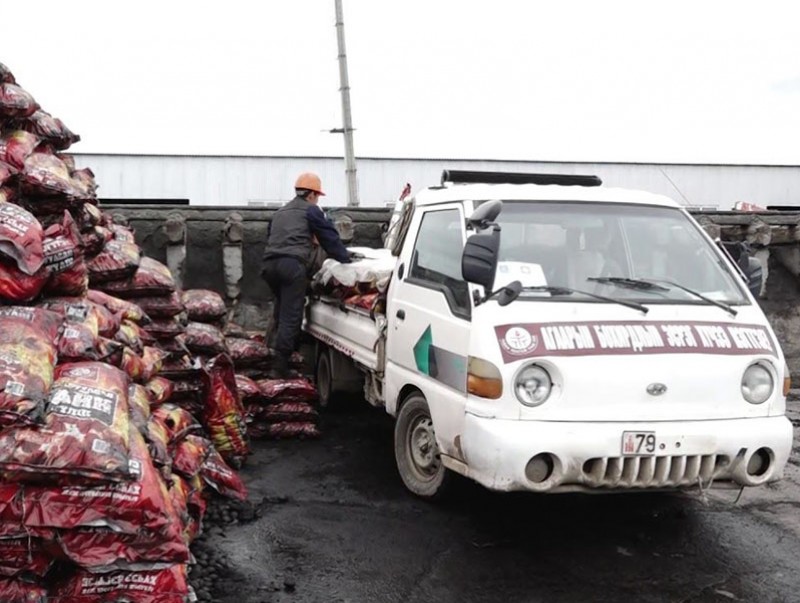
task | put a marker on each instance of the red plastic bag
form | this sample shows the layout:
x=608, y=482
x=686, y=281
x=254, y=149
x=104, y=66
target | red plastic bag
x=21, y=238
x=154, y=586
x=6, y=172
x=27, y=362
x=196, y=455
x=126, y=309
x=163, y=306
x=202, y=338
x=16, y=147
x=288, y=390
x=85, y=436
x=63, y=256
x=189, y=504
x=6, y=77
x=159, y=389
x=131, y=334
x=94, y=240
x=247, y=352
x=248, y=389
x=177, y=422
x=287, y=412
x=158, y=443
x=117, y=260
x=104, y=549
x=122, y=233
x=17, y=591
x=139, y=406
x=16, y=102
x=43, y=125
x=46, y=175
x=282, y=431
x=16, y=286
x=11, y=505
x=165, y=328
x=223, y=413
x=82, y=310
x=151, y=278
x=23, y=555
x=126, y=507
x=218, y=474
x=83, y=179
x=203, y=305
x=189, y=455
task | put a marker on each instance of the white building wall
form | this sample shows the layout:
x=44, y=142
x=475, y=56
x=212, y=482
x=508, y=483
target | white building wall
x=265, y=180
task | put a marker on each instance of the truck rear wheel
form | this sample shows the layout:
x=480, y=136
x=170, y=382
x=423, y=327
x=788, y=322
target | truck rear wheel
x=416, y=452
x=324, y=377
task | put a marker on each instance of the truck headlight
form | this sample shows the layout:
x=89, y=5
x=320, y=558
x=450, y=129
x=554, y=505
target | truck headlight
x=533, y=385
x=757, y=384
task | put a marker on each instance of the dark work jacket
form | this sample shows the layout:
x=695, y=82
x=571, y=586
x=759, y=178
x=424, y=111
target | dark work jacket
x=291, y=231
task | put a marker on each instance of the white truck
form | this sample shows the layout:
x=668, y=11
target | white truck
x=549, y=334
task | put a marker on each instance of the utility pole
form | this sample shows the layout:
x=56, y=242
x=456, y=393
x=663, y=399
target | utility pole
x=347, y=121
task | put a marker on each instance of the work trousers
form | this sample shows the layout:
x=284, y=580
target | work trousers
x=287, y=278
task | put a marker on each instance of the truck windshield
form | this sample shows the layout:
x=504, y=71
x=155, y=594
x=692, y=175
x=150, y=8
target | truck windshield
x=579, y=245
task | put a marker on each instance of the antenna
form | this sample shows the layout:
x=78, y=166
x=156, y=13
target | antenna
x=675, y=186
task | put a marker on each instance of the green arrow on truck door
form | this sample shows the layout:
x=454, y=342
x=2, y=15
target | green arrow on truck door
x=422, y=352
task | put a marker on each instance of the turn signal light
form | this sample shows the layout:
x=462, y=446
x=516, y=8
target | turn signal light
x=787, y=380
x=484, y=379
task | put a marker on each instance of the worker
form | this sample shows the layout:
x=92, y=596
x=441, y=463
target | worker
x=287, y=262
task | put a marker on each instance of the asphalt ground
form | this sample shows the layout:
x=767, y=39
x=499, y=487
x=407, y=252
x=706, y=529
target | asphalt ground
x=335, y=524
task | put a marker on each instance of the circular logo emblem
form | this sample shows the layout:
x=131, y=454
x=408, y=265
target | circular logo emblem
x=656, y=389
x=519, y=341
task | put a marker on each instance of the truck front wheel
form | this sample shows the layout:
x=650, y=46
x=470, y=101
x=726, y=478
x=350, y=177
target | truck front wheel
x=416, y=452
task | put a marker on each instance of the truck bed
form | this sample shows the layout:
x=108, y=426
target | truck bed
x=351, y=330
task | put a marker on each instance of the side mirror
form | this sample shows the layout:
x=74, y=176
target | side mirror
x=509, y=293
x=485, y=214
x=479, y=258
x=738, y=253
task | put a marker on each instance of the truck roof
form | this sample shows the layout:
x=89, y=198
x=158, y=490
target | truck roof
x=537, y=192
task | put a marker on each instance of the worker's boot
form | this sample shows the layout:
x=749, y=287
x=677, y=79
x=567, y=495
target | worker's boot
x=280, y=368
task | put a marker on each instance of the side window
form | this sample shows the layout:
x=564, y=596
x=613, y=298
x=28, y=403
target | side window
x=437, y=257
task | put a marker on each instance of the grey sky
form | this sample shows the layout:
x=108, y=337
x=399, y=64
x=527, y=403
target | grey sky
x=679, y=81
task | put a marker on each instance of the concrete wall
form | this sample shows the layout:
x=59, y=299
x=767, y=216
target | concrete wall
x=210, y=235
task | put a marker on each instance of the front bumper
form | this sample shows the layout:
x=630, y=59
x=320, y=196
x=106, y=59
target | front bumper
x=588, y=456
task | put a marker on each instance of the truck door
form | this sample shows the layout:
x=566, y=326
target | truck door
x=429, y=310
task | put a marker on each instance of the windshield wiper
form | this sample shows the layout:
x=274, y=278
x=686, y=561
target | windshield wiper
x=556, y=290
x=729, y=309
x=628, y=283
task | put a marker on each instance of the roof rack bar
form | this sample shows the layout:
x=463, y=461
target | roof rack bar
x=475, y=177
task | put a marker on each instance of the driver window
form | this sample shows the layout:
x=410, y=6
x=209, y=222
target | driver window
x=436, y=259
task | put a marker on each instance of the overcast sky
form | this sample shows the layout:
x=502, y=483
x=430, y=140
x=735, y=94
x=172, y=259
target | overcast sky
x=679, y=81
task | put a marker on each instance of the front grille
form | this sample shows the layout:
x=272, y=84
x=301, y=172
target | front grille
x=653, y=472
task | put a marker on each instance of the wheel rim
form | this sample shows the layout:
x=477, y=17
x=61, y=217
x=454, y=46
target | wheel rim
x=421, y=450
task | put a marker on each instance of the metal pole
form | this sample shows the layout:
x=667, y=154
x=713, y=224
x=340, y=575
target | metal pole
x=347, y=122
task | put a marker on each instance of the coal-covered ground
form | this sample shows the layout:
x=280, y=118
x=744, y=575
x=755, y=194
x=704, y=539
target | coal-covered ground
x=329, y=521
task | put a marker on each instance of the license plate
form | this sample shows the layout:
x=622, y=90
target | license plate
x=638, y=443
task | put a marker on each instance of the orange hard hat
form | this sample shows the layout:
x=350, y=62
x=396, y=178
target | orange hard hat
x=309, y=181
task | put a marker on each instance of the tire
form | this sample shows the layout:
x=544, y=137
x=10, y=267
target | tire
x=416, y=452
x=324, y=377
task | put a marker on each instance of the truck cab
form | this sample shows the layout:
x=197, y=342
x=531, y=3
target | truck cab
x=549, y=334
